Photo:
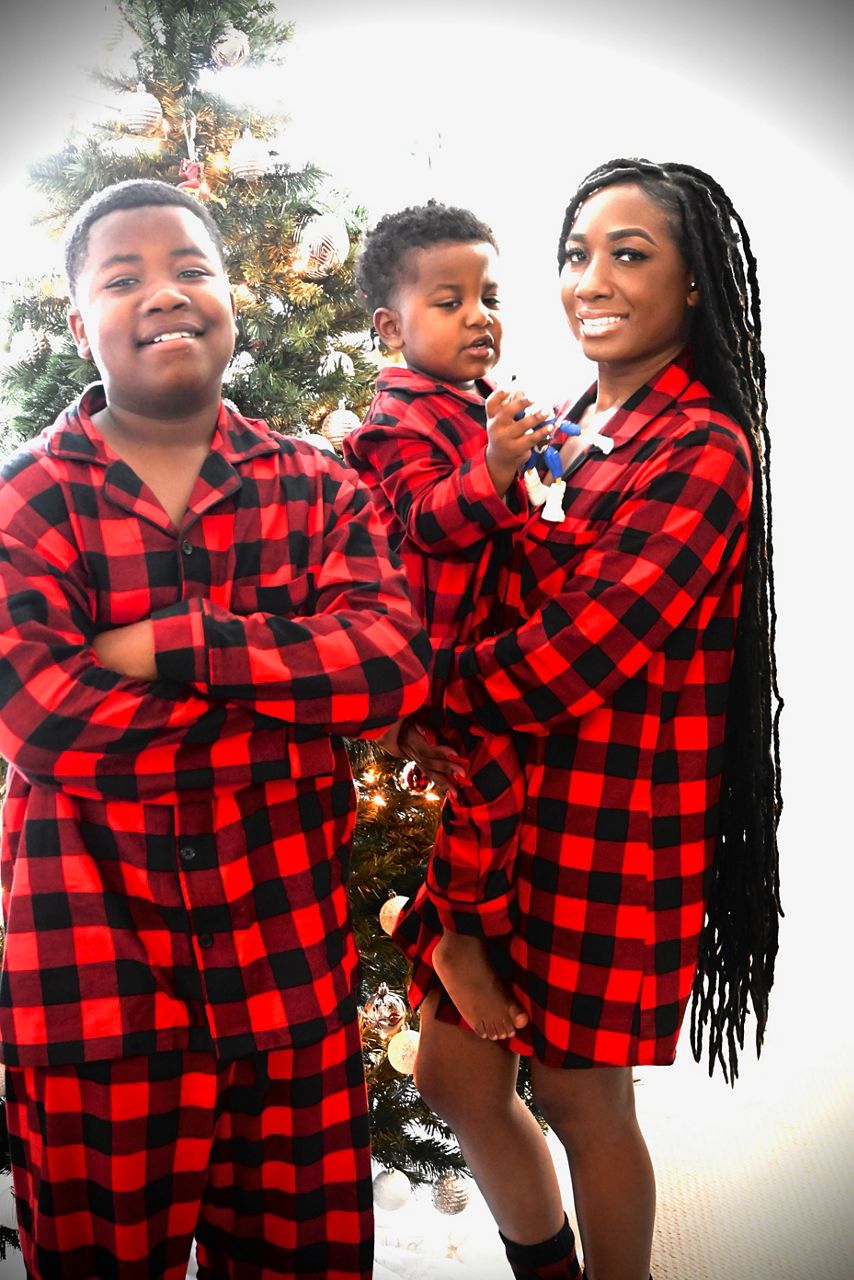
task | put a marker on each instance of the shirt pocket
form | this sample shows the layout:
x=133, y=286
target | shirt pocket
x=565, y=540
x=551, y=553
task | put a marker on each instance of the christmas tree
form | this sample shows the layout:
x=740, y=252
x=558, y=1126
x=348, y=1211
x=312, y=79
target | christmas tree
x=303, y=360
x=302, y=345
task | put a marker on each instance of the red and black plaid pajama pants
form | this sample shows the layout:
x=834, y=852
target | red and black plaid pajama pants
x=118, y=1165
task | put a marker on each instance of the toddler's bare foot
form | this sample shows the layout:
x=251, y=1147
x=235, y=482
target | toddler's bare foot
x=463, y=967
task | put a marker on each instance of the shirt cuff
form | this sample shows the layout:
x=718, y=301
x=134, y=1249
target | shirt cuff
x=180, y=650
x=478, y=489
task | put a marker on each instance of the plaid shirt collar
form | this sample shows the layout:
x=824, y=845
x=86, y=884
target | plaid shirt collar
x=399, y=378
x=236, y=440
x=648, y=402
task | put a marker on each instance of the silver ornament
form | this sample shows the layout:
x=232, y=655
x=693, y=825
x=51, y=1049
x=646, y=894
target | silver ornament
x=336, y=362
x=140, y=111
x=249, y=157
x=322, y=245
x=231, y=49
x=392, y=1189
x=338, y=424
x=384, y=1011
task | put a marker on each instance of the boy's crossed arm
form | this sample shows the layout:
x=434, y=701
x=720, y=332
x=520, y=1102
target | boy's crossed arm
x=102, y=728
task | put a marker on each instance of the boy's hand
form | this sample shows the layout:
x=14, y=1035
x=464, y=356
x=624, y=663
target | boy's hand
x=441, y=764
x=510, y=441
x=129, y=651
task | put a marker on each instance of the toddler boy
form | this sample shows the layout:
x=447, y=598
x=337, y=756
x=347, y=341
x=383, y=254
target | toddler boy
x=440, y=450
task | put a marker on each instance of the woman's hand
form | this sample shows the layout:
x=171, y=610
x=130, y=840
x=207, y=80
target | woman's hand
x=443, y=766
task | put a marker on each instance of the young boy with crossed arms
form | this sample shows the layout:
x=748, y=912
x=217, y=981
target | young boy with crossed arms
x=193, y=611
x=441, y=451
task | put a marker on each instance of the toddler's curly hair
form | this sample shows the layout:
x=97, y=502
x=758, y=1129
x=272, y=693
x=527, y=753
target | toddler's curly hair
x=384, y=259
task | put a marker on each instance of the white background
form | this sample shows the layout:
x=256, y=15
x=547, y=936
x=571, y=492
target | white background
x=527, y=99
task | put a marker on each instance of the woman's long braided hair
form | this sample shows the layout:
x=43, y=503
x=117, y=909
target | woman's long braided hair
x=738, y=946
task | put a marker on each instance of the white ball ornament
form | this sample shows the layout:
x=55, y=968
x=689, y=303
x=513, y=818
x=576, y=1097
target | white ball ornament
x=450, y=1193
x=319, y=442
x=231, y=49
x=140, y=111
x=336, y=362
x=403, y=1050
x=390, y=912
x=322, y=244
x=28, y=344
x=249, y=157
x=392, y=1189
x=338, y=424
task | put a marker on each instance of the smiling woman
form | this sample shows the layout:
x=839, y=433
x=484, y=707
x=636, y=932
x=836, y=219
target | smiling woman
x=640, y=684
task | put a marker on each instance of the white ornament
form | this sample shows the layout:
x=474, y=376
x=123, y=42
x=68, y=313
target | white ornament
x=28, y=344
x=140, y=111
x=322, y=244
x=249, y=157
x=231, y=49
x=392, y=1189
x=318, y=441
x=336, y=362
x=402, y=1051
x=450, y=1194
x=339, y=423
x=390, y=912
x=239, y=366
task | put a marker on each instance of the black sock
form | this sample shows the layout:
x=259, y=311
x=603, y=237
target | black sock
x=551, y=1259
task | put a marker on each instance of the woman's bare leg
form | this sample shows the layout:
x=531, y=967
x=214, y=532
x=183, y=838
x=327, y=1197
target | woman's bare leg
x=471, y=1083
x=593, y=1113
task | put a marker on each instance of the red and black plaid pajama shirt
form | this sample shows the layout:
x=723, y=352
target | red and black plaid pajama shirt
x=617, y=684
x=177, y=1003
x=422, y=452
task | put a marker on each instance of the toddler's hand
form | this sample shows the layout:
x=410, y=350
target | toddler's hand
x=512, y=434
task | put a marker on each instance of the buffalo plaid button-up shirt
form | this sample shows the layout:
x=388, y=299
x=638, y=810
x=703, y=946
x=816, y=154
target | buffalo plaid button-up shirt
x=422, y=452
x=175, y=853
x=617, y=680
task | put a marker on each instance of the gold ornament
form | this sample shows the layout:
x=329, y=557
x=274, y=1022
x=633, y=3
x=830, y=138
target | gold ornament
x=231, y=49
x=402, y=1051
x=392, y=1189
x=390, y=912
x=322, y=244
x=338, y=424
x=140, y=111
x=249, y=157
x=450, y=1193
x=384, y=1011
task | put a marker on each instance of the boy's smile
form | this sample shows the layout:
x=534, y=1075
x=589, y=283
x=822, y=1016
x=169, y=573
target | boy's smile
x=445, y=318
x=154, y=310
